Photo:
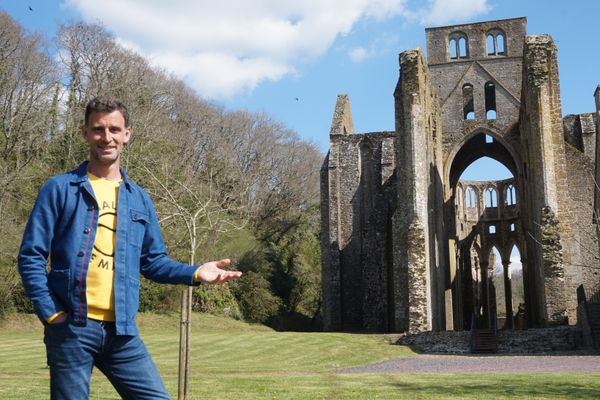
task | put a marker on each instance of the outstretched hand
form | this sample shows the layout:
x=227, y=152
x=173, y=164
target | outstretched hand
x=212, y=272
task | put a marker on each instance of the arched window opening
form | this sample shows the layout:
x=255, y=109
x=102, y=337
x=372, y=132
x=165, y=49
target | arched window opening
x=500, y=44
x=511, y=195
x=462, y=47
x=512, y=227
x=496, y=287
x=492, y=229
x=515, y=276
x=490, y=100
x=489, y=138
x=496, y=43
x=490, y=45
x=468, y=105
x=458, y=45
x=476, y=278
x=453, y=48
x=470, y=198
x=491, y=198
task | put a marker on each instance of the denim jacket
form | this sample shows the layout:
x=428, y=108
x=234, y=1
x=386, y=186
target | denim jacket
x=63, y=225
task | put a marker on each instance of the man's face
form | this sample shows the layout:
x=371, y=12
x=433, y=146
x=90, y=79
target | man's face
x=106, y=134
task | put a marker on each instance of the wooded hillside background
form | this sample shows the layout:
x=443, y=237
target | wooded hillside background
x=231, y=184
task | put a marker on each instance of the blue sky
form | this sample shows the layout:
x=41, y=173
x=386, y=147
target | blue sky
x=291, y=58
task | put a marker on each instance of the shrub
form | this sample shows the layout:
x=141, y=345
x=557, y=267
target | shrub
x=216, y=300
x=254, y=296
x=158, y=297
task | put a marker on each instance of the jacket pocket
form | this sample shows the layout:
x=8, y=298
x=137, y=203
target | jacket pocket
x=59, y=283
x=137, y=227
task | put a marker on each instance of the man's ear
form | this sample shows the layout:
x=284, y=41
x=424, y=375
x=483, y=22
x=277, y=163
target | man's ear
x=127, y=135
x=84, y=132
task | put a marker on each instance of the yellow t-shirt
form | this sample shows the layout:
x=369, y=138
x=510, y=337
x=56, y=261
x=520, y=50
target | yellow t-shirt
x=101, y=270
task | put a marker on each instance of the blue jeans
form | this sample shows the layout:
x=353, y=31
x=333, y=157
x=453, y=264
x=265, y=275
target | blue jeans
x=74, y=350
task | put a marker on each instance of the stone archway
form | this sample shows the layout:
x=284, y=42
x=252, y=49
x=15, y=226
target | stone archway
x=474, y=146
x=482, y=215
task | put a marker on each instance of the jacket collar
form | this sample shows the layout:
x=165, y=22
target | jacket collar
x=79, y=174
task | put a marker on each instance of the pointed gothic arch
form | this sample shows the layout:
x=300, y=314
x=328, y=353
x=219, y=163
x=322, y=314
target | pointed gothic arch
x=474, y=146
x=487, y=228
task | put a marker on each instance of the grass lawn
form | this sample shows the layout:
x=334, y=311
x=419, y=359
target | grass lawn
x=234, y=360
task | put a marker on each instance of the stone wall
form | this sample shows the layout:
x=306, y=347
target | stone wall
x=358, y=198
x=450, y=76
x=418, y=251
x=513, y=29
x=549, y=219
x=580, y=169
x=597, y=158
x=530, y=341
x=580, y=132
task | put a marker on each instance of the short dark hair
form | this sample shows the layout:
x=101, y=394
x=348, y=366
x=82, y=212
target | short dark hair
x=105, y=104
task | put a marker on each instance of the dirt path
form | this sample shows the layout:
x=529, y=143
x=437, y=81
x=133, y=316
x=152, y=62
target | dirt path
x=483, y=363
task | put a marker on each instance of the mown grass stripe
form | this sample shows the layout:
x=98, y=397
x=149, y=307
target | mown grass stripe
x=232, y=360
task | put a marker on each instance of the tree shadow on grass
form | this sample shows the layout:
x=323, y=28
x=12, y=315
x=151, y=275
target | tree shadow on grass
x=295, y=322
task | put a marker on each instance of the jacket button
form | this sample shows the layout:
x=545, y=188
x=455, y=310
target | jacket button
x=80, y=254
x=86, y=230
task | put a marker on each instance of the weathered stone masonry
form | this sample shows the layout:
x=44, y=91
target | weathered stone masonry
x=407, y=244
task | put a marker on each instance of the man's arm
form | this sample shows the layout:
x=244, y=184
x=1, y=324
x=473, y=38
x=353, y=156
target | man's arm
x=35, y=248
x=155, y=264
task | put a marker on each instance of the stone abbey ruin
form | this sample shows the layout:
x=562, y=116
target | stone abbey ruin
x=407, y=245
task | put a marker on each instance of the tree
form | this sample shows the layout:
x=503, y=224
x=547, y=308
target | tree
x=27, y=88
x=27, y=85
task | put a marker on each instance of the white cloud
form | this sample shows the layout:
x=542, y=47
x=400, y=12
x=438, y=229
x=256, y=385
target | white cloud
x=357, y=54
x=226, y=47
x=221, y=75
x=380, y=45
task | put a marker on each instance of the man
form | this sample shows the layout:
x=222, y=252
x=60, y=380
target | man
x=100, y=231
